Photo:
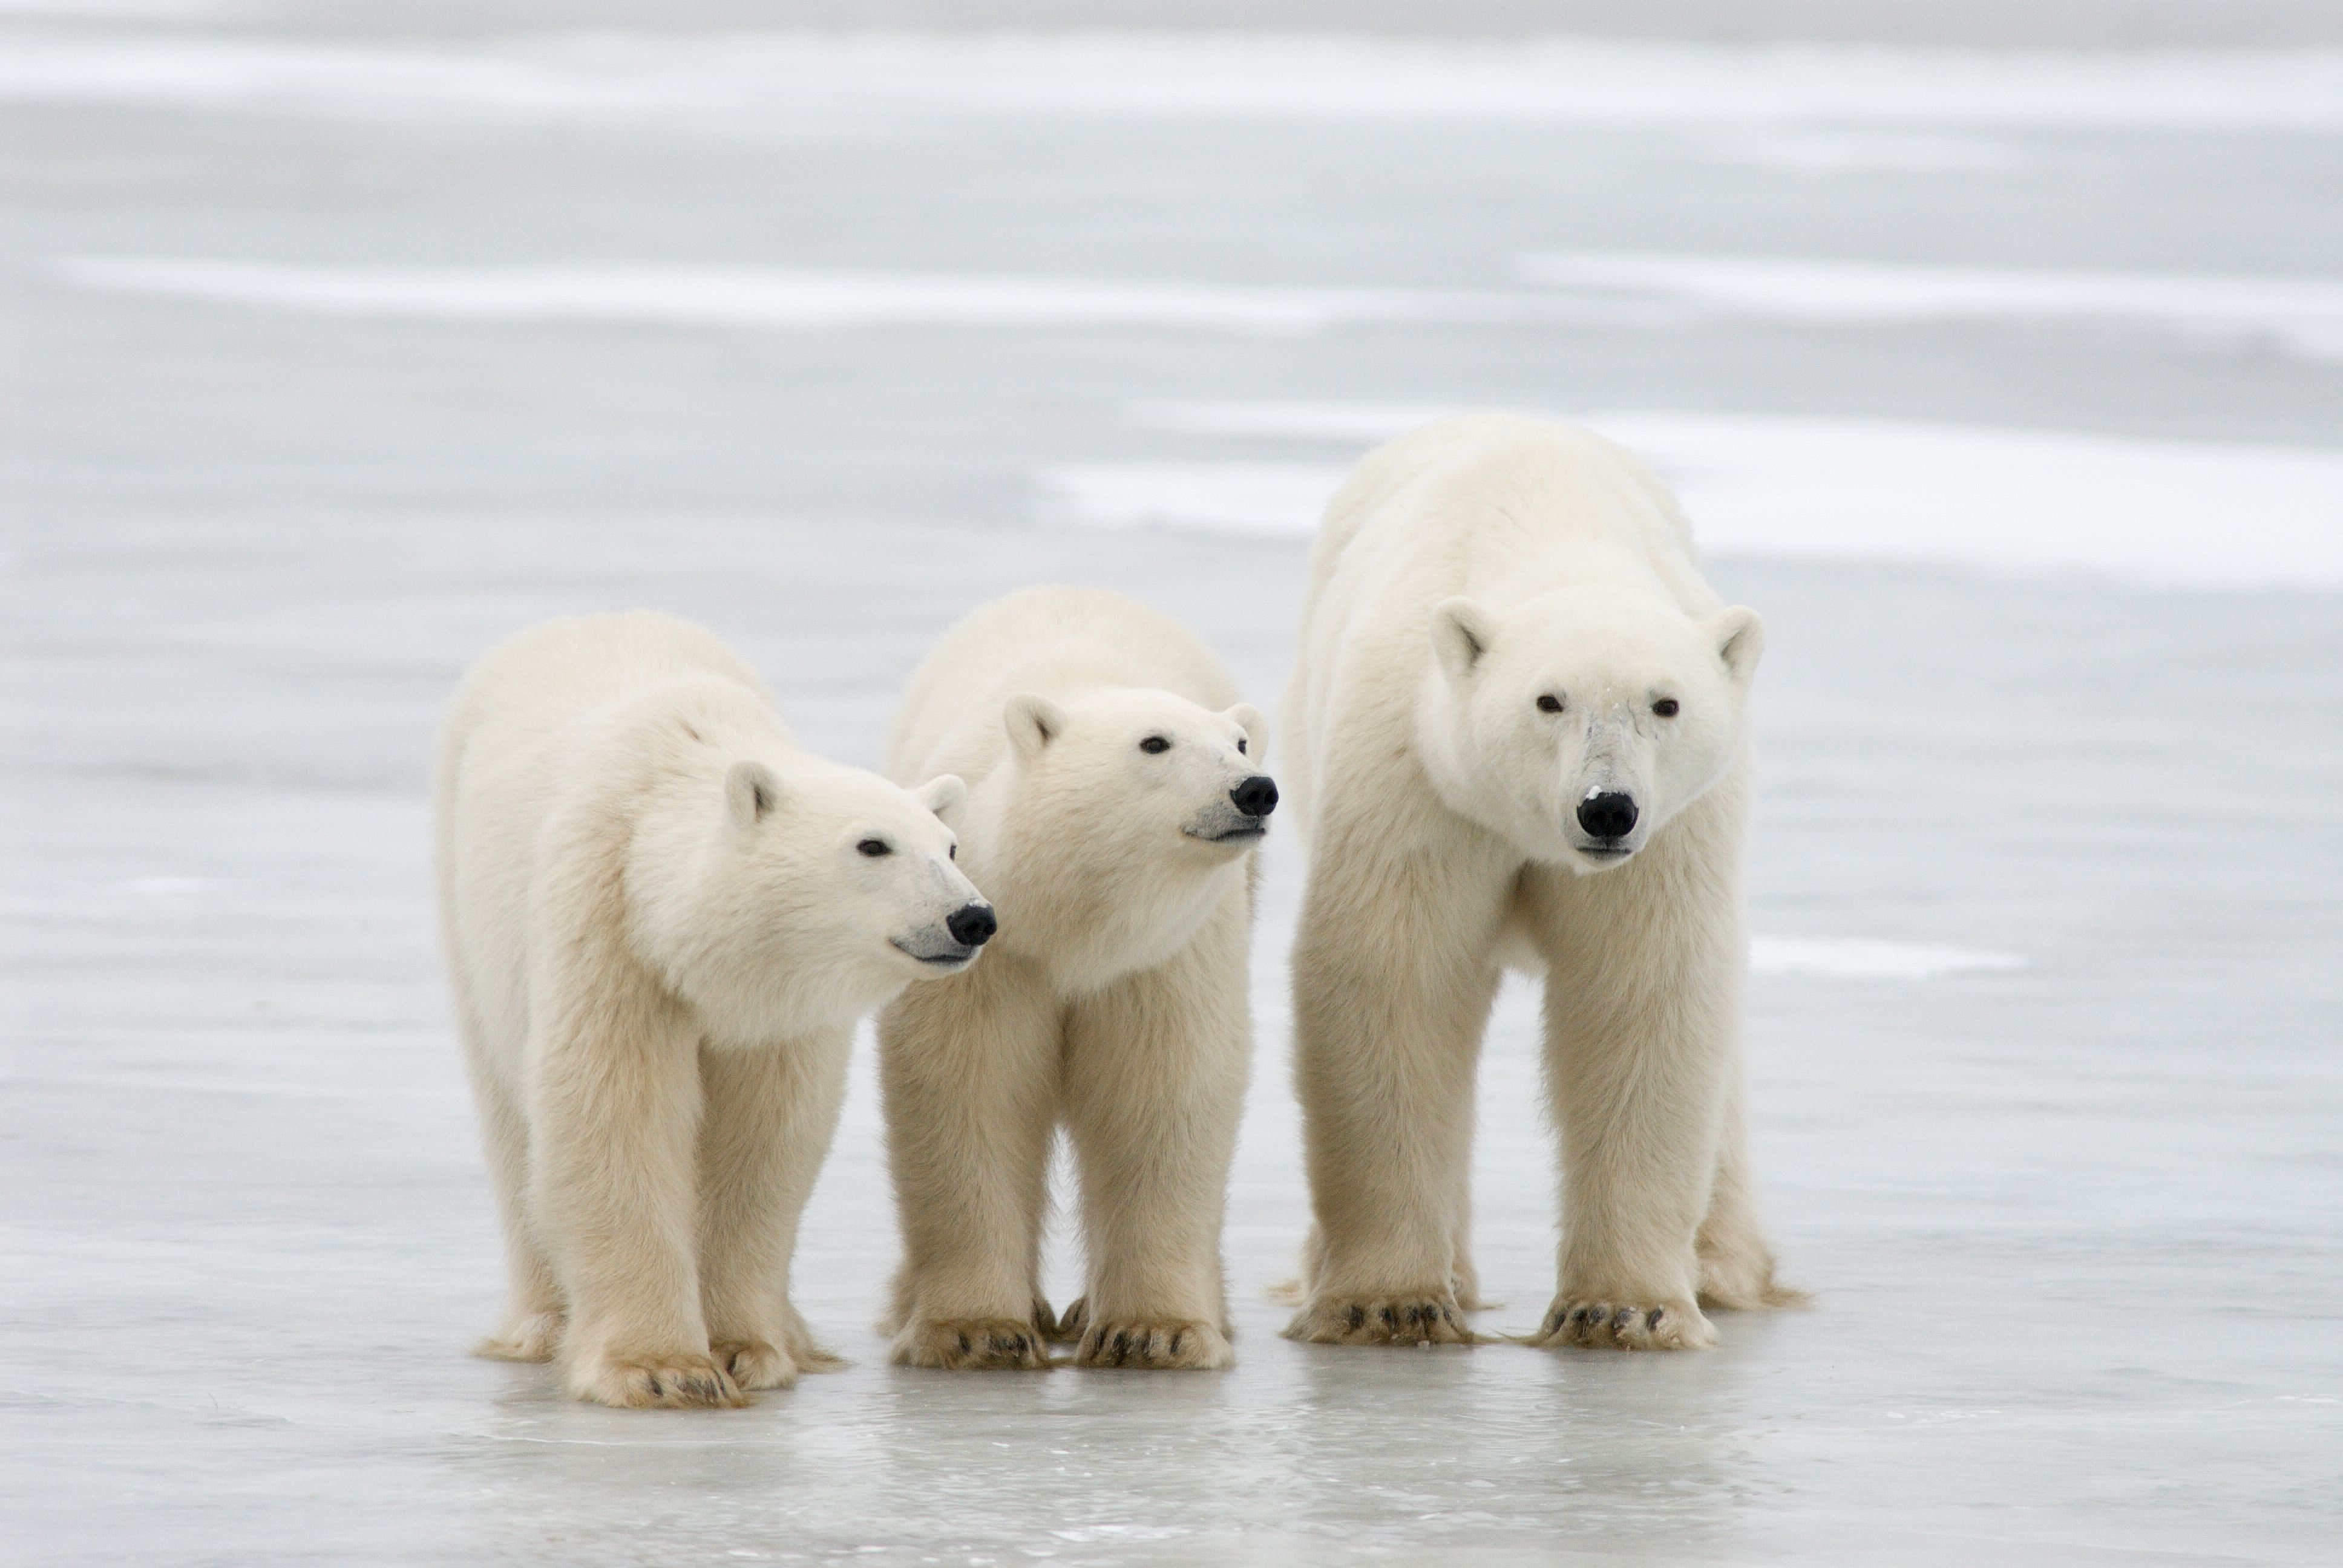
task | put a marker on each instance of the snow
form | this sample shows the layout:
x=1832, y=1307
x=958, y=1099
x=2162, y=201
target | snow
x=2026, y=501
x=798, y=301
x=2304, y=315
x=1111, y=76
x=2043, y=1020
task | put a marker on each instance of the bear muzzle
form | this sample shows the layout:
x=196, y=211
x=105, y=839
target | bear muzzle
x=965, y=932
x=1242, y=818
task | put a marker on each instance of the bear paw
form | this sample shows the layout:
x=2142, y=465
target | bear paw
x=1067, y=1328
x=809, y=1355
x=1409, y=1320
x=755, y=1363
x=1158, y=1345
x=971, y=1344
x=534, y=1338
x=680, y=1380
x=1630, y=1326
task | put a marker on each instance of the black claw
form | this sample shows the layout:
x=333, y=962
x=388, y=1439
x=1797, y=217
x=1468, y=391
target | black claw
x=1176, y=1337
x=1358, y=1317
x=656, y=1391
x=1391, y=1319
x=964, y=1346
x=1652, y=1318
x=1552, y=1323
x=1623, y=1317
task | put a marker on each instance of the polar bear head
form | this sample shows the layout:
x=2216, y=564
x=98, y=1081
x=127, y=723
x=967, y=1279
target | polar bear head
x=1110, y=828
x=1578, y=722
x=811, y=893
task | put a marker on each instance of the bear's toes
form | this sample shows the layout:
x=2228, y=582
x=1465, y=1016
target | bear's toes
x=1408, y=1319
x=1065, y=1328
x=1154, y=1344
x=1625, y=1326
x=971, y=1344
x=680, y=1381
x=755, y=1363
x=534, y=1337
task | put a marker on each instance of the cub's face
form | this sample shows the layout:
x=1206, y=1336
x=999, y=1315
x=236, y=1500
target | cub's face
x=1140, y=775
x=1577, y=724
x=843, y=867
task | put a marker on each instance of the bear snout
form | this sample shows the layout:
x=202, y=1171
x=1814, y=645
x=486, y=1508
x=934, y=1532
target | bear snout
x=1256, y=796
x=972, y=925
x=1607, y=814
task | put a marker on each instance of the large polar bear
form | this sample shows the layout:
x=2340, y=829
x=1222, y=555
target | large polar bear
x=1521, y=725
x=1115, y=796
x=661, y=920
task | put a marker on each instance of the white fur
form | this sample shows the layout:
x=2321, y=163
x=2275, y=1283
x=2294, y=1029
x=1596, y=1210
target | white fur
x=1465, y=571
x=659, y=930
x=1115, y=1001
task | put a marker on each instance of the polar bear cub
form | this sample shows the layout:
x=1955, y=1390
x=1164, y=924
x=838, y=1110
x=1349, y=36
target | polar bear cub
x=1115, y=797
x=1523, y=734
x=661, y=920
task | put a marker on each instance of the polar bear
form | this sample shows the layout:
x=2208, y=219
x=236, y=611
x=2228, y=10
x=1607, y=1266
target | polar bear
x=1522, y=728
x=1115, y=797
x=661, y=919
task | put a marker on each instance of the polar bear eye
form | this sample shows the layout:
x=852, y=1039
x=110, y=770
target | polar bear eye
x=1153, y=744
x=1241, y=746
x=1549, y=703
x=1666, y=708
x=875, y=847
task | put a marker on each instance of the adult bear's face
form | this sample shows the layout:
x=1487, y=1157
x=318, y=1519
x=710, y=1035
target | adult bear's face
x=1578, y=723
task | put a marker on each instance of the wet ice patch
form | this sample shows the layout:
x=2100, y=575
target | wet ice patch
x=2303, y=315
x=2175, y=513
x=891, y=79
x=1851, y=957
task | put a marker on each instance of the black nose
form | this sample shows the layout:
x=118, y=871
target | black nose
x=1257, y=796
x=1609, y=815
x=972, y=925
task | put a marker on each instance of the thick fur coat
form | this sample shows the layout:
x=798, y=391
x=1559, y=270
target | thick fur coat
x=1115, y=796
x=1519, y=733
x=661, y=919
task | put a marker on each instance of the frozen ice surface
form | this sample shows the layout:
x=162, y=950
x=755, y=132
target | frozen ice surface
x=2044, y=1023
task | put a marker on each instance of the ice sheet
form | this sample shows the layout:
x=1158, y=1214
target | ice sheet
x=2043, y=1028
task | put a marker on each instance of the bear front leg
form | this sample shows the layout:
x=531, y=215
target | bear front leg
x=1156, y=1066
x=770, y=1115
x=1393, y=975
x=968, y=1069
x=1642, y=1019
x=616, y=1097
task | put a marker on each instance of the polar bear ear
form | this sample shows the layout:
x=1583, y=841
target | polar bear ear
x=1248, y=718
x=1461, y=634
x=751, y=791
x=944, y=795
x=1033, y=722
x=1740, y=637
